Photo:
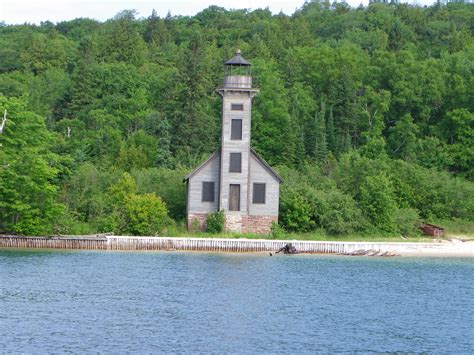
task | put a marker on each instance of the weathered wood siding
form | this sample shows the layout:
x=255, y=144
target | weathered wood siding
x=260, y=174
x=209, y=172
x=235, y=146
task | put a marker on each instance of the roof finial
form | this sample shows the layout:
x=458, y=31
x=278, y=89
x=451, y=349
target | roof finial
x=238, y=51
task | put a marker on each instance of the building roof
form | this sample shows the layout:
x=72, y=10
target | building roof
x=202, y=165
x=238, y=60
x=266, y=165
x=252, y=152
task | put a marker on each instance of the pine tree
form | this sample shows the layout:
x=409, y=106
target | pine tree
x=319, y=126
x=331, y=139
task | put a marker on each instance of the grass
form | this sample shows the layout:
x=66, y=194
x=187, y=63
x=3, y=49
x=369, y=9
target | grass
x=316, y=236
x=453, y=228
x=456, y=227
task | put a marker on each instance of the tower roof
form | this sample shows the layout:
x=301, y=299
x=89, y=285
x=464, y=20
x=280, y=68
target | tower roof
x=238, y=60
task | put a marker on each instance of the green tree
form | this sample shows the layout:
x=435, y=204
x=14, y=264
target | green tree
x=377, y=202
x=145, y=215
x=27, y=170
x=459, y=125
x=121, y=40
x=402, y=138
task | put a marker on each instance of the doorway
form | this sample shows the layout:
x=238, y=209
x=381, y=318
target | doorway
x=234, y=197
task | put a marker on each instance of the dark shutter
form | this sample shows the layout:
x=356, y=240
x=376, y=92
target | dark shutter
x=237, y=107
x=234, y=197
x=236, y=130
x=235, y=163
x=208, y=188
x=258, y=193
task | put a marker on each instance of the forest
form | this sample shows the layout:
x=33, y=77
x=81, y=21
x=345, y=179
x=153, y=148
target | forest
x=367, y=113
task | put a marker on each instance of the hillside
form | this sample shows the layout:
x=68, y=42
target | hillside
x=367, y=113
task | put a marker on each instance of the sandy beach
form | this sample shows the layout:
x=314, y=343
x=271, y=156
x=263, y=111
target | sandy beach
x=438, y=248
x=444, y=248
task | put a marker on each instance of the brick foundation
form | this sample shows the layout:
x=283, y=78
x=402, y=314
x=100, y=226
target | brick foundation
x=235, y=223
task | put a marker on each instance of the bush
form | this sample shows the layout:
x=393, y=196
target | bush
x=166, y=183
x=407, y=222
x=378, y=203
x=338, y=213
x=296, y=210
x=278, y=232
x=309, y=201
x=215, y=222
x=145, y=215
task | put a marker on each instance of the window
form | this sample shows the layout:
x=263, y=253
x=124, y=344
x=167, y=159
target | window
x=208, y=188
x=258, y=193
x=236, y=130
x=234, y=197
x=237, y=107
x=235, y=165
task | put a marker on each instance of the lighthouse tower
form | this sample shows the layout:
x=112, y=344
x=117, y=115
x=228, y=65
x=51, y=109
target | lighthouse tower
x=235, y=179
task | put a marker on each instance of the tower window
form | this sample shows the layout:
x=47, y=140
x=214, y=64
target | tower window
x=208, y=188
x=236, y=130
x=259, y=193
x=235, y=165
x=237, y=107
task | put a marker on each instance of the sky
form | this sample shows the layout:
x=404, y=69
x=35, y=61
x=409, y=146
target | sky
x=35, y=11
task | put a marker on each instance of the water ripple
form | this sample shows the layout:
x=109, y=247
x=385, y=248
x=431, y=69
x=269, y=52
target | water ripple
x=229, y=303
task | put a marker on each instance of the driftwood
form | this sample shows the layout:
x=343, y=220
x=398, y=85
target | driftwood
x=371, y=252
x=287, y=249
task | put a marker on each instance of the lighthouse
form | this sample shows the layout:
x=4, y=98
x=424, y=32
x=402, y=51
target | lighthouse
x=235, y=179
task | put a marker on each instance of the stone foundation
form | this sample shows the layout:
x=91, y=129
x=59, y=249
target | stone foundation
x=258, y=224
x=196, y=221
x=235, y=223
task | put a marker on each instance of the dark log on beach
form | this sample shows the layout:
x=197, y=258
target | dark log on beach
x=288, y=249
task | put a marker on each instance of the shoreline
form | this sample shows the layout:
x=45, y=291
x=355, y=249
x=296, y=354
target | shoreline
x=454, y=248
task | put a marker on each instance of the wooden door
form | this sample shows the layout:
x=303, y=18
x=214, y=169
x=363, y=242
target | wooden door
x=234, y=197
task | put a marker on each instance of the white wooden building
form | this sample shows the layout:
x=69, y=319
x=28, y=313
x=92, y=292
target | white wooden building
x=235, y=178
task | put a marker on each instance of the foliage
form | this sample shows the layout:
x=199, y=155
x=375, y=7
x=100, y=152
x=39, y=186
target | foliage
x=28, y=168
x=145, y=215
x=308, y=202
x=407, y=222
x=278, y=232
x=377, y=200
x=368, y=111
x=215, y=222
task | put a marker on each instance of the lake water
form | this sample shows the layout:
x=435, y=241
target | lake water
x=64, y=301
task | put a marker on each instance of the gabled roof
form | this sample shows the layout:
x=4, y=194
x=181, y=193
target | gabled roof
x=252, y=152
x=202, y=165
x=238, y=60
x=266, y=165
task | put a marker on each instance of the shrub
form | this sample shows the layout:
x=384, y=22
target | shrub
x=407, y=222
x=309, y=200
x=378, y=203
x=338, y=213
x=296, y=210
x=215, y=222
x=166, y=183
x=278, y=232
x=145, y=215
